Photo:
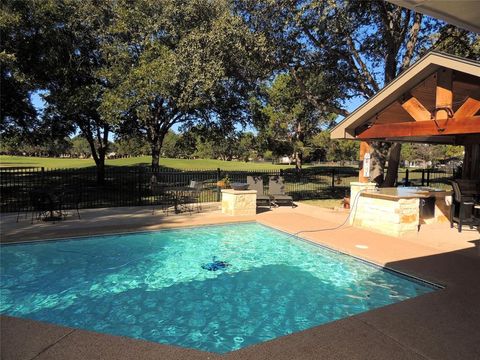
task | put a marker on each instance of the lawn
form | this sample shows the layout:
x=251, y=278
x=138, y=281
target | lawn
x=325, y=203
x=181, y=164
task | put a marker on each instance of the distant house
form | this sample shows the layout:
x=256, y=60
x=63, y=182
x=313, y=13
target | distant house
x=285, y=160
x=419, y=163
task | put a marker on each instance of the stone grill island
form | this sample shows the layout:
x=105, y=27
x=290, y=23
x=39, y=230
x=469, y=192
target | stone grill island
x=399, y=211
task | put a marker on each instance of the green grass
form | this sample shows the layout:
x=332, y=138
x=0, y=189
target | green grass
x=325, y=203
x=181, y=164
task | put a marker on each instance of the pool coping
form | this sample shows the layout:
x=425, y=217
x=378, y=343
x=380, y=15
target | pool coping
x=356, y=322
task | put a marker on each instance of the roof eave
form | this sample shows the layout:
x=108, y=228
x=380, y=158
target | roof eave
x=418, y=72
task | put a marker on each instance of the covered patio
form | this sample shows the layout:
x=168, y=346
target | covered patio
x=436, y=101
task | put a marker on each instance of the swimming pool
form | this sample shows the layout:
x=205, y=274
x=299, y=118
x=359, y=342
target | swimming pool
x=160, y=286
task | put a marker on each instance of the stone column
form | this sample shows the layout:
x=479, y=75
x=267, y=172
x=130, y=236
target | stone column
x=239, y=202
x=355, y=188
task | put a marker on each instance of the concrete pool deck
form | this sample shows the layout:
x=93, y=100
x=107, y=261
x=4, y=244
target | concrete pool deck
x=439, y=325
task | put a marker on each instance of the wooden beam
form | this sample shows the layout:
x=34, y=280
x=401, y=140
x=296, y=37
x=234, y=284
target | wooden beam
x=444, y=94
x=467, y=139
x=416, y=110
x=466, y=125
x=469, y=108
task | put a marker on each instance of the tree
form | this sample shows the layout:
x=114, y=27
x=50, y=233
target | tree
x=80, y=147
x=21, y=49
x=54, y=47
x=334, y=150
x=75, y=89
x=286, y=118
x=177, y=62
x=169, y=145
x=433, y=153
x=356, y=47
x=28, y=30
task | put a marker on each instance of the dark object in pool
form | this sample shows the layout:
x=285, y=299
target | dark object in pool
x=215, y=265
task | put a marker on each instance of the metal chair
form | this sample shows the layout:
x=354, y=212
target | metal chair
x=461, y=211
x=276, y=189
x=161, y=198
x=256, y=183
x=71, y=198
x=191, y=198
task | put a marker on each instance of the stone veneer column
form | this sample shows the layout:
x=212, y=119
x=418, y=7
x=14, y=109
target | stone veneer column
x=355, y=188
x=239, y=202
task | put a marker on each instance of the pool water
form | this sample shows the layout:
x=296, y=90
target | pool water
x=152, y=285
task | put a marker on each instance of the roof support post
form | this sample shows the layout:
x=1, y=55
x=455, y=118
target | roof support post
x=471, y=162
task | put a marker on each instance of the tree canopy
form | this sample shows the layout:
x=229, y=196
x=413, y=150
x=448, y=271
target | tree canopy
x=135, y=70
x=177, y=62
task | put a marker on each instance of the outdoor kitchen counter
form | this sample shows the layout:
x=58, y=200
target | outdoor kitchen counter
x=406, y=193
x=399, y=211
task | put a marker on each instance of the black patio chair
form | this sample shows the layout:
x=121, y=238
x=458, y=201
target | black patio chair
x=24, y=205
x=162, y=198
x=70, y=198
x=190, y=197
x=41, y=204
x=276, y=190
x=465, y=196
x=256, y=183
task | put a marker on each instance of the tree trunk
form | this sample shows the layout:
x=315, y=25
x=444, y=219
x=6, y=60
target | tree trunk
x=156, y=142
x=393, y=163
x=98, y=154
x=155, y=152
x=298, y=160
x=101, y=172
x=377, y=161
x=299, y=154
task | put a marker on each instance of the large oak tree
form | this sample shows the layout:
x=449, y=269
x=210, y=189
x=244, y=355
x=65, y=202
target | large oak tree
x=354, y=47
x=177, y=63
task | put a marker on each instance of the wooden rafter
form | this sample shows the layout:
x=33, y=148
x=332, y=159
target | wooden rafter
x=453, y=126
x=469, y=108
x=416, y=110
x=444, y=94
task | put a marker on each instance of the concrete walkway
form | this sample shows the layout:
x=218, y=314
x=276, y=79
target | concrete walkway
x=440, y=325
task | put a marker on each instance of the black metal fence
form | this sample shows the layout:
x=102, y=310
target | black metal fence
x=130, y=186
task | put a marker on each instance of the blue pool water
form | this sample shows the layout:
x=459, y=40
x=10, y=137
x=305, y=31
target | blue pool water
x=152, y=285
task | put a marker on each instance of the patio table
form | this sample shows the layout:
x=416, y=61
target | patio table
x=49, y=203
x=177, y=194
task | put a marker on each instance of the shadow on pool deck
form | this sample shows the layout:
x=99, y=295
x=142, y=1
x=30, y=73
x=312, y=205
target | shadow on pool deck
x=440, y=325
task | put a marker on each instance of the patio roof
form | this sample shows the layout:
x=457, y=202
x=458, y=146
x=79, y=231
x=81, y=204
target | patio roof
x=437, y=100
x=464, y=14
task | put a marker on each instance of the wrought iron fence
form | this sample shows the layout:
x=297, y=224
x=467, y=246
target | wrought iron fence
x=130, y=186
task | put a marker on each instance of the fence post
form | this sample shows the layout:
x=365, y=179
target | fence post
x=333, y=178
x=406, y=177
x=218, y=187
x=139, y=186
x=42, y=178
x=423, y=177
x=428, y=177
